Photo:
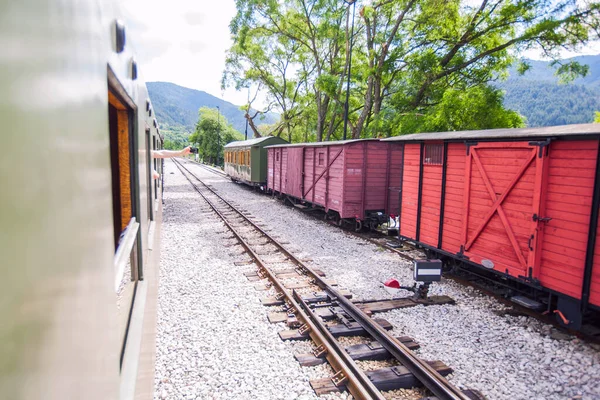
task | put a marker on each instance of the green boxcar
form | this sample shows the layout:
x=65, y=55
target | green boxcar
x=246, y=160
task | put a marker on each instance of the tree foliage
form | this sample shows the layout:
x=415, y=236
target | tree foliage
x=414, y=63
x=176, y=138
x=213, y=131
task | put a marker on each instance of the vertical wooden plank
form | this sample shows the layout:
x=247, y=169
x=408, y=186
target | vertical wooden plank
x=387, y=178
x=443, y=195
x=302, y=161
x=420, y=193
x=364, y=180
x=314, y=175
x=327, y=182
x=539, y=208
x=274, y=151
x=280, y=170
x=400, y=191
x=466, y=200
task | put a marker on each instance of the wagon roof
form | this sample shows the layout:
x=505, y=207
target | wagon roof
x=252, y=142
x=510, y=133
x=319, y=144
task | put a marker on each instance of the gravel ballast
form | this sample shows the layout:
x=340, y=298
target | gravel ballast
x=213, y=337
x=505, y=357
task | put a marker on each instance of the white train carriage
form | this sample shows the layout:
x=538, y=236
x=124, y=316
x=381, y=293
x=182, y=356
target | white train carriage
x=79, y=212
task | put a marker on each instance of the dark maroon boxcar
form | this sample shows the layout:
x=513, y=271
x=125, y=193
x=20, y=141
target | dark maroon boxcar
x=349, y=178
x=521, y=202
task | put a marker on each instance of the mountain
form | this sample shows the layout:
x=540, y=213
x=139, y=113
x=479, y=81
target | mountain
x=544, y=101
x=177, y=107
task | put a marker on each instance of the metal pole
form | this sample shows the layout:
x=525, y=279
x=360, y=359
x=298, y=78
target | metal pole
x=218, y=134
x=349, y=69
x=247, y=115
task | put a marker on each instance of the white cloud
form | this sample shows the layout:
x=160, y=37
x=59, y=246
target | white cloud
x=183, y=41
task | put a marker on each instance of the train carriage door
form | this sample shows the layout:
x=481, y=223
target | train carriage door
x=502, y=200
x=293, y=178
x=277, y=169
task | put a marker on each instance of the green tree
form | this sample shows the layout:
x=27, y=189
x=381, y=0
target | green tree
x=295, y=51
x=597, y=117
x=407, y=55
x=176, y=137
x=479, y=107
x=213, y=131
x=417, y=51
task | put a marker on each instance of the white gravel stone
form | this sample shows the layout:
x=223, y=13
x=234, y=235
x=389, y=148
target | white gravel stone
x=505, y=357
x=213, y=337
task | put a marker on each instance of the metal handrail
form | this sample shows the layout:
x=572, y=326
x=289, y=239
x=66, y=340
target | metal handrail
x=124, y=250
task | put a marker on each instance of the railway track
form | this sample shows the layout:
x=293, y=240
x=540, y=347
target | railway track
x=304, y=310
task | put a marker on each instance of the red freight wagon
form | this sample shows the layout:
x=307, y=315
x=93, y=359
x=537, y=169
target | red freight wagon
x=520, y=202
x=349, y=179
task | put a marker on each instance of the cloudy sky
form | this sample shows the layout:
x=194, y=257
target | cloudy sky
x=185, y=41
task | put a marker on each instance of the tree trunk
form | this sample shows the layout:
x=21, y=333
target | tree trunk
x=377, y=99
x=252, y=126
x=356, y=131
x=322, y=107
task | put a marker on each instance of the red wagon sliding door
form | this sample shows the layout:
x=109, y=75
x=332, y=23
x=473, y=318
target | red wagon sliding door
x=503, y=193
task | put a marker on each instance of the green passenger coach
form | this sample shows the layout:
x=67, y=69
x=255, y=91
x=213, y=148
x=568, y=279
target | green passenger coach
x=246, y=160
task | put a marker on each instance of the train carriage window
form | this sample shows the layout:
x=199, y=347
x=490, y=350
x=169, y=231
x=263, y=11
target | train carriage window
x=433, y=154
x=121, y=154
x=125, y=199
x=149, y=176
x=156, y=168
x=321, y=159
